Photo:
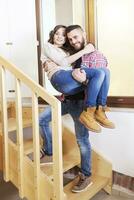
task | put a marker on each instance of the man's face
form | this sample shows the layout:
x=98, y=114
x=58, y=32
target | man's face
x=76, y=39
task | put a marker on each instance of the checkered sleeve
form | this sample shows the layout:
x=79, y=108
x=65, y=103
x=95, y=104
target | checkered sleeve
x=95, y=60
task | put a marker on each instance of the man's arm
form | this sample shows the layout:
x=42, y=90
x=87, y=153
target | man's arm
x=89, y=48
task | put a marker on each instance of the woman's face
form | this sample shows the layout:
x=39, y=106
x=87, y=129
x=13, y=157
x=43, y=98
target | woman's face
x=59, y=37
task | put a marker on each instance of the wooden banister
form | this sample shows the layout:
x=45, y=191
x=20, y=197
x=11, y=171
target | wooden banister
x=35, y=87
x=37, y=91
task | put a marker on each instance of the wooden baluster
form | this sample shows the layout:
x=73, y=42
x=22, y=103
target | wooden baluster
x=57, y=151
x=20, y=143
x=4, y=124
x=36, y=145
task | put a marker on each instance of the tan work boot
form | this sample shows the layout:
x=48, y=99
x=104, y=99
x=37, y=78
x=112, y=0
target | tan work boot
x=87, y=119
x=101, y=117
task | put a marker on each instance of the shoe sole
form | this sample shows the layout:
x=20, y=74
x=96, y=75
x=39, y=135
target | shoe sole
x=95, y=131
x=77, y=191
x=105, y=125
x=70, y=176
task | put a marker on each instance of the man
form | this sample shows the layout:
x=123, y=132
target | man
x=73, y=105
x=77, y=39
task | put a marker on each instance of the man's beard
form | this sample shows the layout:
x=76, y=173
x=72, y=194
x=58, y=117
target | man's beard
x=82, y=45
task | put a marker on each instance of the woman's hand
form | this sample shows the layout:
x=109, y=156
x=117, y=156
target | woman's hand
x=48, y=65
x=79, y=75
x=89, y=48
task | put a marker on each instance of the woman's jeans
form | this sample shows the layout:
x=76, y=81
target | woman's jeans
x=96, y=90
x=74, y=108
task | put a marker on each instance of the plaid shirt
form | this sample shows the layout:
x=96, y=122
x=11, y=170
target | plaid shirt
x=95, y=59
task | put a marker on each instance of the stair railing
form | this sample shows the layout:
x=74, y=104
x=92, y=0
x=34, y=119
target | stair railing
x=37, y=91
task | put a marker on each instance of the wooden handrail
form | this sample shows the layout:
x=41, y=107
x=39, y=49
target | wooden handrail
x=35, y=87
x=37, y=91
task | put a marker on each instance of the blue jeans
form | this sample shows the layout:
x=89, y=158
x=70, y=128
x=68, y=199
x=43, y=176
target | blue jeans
x=96, y=90
x=74, y=108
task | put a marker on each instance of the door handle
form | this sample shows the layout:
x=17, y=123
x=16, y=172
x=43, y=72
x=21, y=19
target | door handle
x=9, y=43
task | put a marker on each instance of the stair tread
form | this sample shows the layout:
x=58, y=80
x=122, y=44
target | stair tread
x=9, y=104
x=12, y=124
x=69, y=161
x=99, y=182
x=28, y=146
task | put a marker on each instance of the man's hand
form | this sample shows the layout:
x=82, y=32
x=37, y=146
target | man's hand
x=48, y=65
x=89, y=48
x=79, y=75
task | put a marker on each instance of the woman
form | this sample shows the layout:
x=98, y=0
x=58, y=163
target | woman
x=62, y=80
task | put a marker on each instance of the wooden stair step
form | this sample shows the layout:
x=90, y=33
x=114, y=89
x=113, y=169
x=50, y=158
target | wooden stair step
x=69, y=161
x=12, y=124
x=9, y=105
x=28, y=146
x=99, y=182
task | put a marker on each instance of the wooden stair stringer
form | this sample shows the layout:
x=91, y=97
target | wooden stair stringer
x=46, y=184
x=102, y=167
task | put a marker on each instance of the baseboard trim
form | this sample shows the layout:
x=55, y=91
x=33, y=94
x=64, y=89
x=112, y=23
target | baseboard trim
x=122, y=192
x=121, y=101
x=124, y=181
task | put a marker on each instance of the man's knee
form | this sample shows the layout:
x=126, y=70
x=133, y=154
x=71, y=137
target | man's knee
x=44, y=118
x=41, y=120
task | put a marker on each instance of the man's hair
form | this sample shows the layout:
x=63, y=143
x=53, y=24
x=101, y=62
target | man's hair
x=73, y=27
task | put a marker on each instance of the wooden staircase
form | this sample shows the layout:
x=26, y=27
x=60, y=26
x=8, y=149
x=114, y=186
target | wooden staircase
x=34, y=180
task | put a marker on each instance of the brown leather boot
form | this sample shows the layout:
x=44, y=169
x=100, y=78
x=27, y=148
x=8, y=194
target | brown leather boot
x=101, y=117
x=87, y=119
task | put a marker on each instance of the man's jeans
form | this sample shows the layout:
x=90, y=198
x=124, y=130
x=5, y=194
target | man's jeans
x=96, y=90
x=74, y=108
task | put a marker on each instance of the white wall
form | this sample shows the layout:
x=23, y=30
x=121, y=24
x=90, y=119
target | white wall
x=115, y=30
x=117, y=145
x=70, y=12
x=64, y=12
x=115, y=38
x=79, y=12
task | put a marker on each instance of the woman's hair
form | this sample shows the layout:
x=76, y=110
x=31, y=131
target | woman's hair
x=52, y=33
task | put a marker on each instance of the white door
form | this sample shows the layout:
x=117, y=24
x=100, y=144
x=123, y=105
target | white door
x=20, y=28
